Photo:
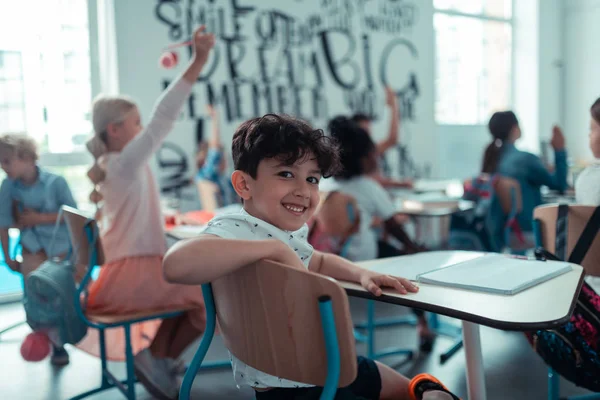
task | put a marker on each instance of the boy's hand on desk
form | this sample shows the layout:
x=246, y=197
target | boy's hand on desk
x=374, y=282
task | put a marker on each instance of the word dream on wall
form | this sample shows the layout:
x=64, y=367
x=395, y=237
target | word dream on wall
x=309, y=58
x=270, y=60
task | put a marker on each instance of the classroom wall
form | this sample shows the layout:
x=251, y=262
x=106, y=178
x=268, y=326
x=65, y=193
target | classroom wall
x=461, y=149
x=333, y=72
x=550, y=67
x=336, y=55
x=582, y=77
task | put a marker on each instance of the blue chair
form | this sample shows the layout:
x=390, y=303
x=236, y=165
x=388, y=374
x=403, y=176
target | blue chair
x=88, y=252
x=544, y=228
x=286, y=322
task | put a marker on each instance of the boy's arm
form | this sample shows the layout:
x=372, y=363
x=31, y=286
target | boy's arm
x=12, y=264
x=208, y=257
x=342, y=269
x=6, y=221
x=215, y=131
x=137, y=152
x=61, y=192
x=392, y=138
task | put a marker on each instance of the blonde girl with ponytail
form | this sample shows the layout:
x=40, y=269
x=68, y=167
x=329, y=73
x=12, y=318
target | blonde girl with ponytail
x=131, y=228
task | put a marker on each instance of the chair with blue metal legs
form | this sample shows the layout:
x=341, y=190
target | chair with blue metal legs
x=286, y=322
x=547, y=228
x=88, y=253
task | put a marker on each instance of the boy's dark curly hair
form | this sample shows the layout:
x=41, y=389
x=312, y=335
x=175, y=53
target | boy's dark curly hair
x=285, y=138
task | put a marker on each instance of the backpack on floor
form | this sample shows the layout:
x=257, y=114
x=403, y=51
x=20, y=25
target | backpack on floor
x=469, y=230
x=48, y=298
x=572, y=349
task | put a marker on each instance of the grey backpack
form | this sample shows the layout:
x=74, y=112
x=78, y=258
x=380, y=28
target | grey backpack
x=48, y=298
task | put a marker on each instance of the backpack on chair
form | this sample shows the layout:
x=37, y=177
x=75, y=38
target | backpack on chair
x=572, y=349
x=48, y=299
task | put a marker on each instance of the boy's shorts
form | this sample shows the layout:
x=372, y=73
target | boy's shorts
x=366, y=386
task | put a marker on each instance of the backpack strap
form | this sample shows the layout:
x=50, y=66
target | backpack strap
x=587, y=237
x=562, y=224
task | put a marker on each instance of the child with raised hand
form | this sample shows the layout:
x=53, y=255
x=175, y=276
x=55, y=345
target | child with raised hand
x=30, y=199
x=358, y=155
x=133, y=234
x=278, y=162
x=364, y=121
x=211, y=160
x=587, y=186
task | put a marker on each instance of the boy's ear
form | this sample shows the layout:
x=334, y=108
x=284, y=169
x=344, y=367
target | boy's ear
x=241, y=183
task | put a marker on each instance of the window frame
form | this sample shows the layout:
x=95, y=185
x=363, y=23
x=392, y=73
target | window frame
x=484, y=18
x=8, y=105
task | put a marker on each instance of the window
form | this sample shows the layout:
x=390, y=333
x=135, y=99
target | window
x=12, y=99
x=473, y=60
x=45, y=80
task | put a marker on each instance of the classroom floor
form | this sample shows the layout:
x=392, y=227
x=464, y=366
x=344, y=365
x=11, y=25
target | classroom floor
x=512, y=369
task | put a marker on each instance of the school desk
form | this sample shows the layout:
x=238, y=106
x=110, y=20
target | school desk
x=545, y=306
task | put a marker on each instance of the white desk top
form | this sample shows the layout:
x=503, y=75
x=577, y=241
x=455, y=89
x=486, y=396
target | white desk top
x=546, y=305
x=432, y=208
x=435, y=185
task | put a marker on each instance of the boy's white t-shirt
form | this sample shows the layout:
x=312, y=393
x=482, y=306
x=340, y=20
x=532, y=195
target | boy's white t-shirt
x=373, y=201
x=244, y=226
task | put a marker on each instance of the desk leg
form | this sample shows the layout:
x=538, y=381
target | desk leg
x=475, y=372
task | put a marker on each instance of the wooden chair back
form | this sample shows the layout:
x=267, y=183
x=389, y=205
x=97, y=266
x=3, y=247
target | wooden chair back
x=337, y=214
x=577, y=219
x=268, y=316
x=76, y=222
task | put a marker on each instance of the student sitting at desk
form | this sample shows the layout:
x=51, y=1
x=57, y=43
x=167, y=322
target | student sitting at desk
x=211, y=161
x=30, y=199
x=132, y=232
x=279, y=162
x=358, y=156
x=503, y=158
x=364, y=121
x=587, y=187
